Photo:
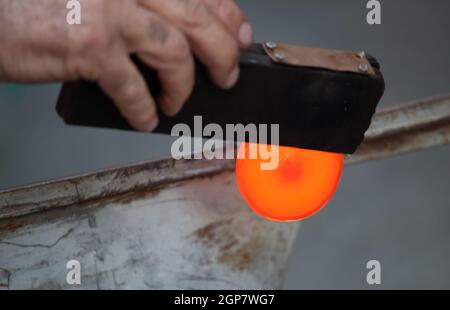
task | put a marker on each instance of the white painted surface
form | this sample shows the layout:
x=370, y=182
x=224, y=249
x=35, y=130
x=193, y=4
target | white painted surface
x=196, y=234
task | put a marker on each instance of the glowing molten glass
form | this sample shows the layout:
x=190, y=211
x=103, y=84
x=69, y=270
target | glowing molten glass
x=301, y=185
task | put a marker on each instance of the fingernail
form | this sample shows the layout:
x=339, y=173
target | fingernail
x=233, y=77
x=246, y=34
x=152, y=124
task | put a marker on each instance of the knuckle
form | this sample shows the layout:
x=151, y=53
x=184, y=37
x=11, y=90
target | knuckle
x=179, y=47
x=158, y=30
x=229, y=10
x=171, y=44
x=196, y=12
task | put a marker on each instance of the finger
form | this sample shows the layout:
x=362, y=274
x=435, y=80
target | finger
x=210, y=40
x=165, y=49
x=234, y=19
x=121, y=80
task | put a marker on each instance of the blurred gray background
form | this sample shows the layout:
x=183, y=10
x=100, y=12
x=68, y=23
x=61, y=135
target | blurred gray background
x=396, y=211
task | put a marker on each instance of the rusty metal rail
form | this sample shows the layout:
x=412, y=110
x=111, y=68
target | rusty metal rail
x=406, y=128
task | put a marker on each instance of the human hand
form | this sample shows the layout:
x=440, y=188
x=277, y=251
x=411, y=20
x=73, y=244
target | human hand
x=38, y=45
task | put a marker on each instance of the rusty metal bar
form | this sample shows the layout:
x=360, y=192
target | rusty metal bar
x=406, y=128
x=104, y=185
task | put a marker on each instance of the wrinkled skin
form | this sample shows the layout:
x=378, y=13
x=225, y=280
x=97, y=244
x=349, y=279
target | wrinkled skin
x=38, y=45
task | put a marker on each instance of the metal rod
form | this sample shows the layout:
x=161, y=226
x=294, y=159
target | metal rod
x=406, y=128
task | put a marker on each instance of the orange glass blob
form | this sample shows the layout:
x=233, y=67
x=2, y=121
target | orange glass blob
x=301, y=184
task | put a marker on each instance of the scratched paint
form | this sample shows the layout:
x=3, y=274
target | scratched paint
x=193, y=234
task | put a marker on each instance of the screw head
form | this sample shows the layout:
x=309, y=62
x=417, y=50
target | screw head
x=362, y=54
x=363, y=68
x=271, y=45
x=279, y=56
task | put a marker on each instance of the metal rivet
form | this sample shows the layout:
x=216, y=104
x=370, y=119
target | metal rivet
x=363, y=67
x=362, y=54
x=279, y=56
x=271, y=45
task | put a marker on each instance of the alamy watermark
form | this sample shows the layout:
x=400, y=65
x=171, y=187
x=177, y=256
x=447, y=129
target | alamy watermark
x=73, y=276
x=374, y=15
x=73, y=16
x=374, y=275
x=216, y=148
